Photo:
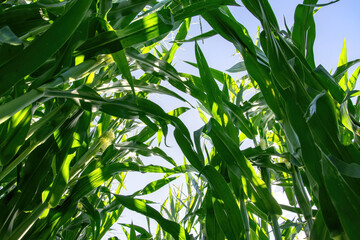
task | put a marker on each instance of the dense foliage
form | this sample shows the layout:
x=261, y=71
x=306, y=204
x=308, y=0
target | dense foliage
x=74, y=120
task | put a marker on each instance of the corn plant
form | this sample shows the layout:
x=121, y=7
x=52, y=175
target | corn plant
x=302, y=110
x=303, y=125
x=74, y=119
x=68, y=120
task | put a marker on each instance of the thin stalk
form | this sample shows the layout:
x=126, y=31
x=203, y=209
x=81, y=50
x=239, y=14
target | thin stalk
x=276, y=227
x=104, y=141
x=245, y=215
x=102, y=194
x=263, y=223
x=302, y=199
x=265, y=175
x=84, y=160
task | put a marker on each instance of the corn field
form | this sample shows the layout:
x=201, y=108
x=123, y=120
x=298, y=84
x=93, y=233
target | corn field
x=75, y=118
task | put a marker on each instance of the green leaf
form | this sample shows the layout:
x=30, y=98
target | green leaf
x=17, y=128
x=255, y=210
x=230, y=30
x=138, y=229
x=345, y=200
x=122, y=63
x=304, y=31
x=243, y=123
x=213, y=230
x=258, y=151
x=154, y=186
x=227, y=204
x=199, y=7
x=238, y=67
x=36, y=175
x=144, y=29
x=230, y=153
x=330, y=84
x=122, y=12
x=353, y=79
x=12, y=107
x=22, y=18
x=60, y=31
x=120, y=86
x=342, y=61
x=144, y=150
x=65, y=140
x=320, y=5
x=96, y=178
x=211, y=88
x=149, y=63
x=221, y=218
x=345, y=117
x=319, y=230
x=238, y=35
x=347, y=169
x=262, y=11
x=40, y=136
x=342, y=70
x=187, y=148
x=301, y=135
x=179, y=38
x=202, y=36
x=176, y=231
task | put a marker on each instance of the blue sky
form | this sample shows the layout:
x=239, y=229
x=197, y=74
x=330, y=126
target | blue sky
x=334, y=23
